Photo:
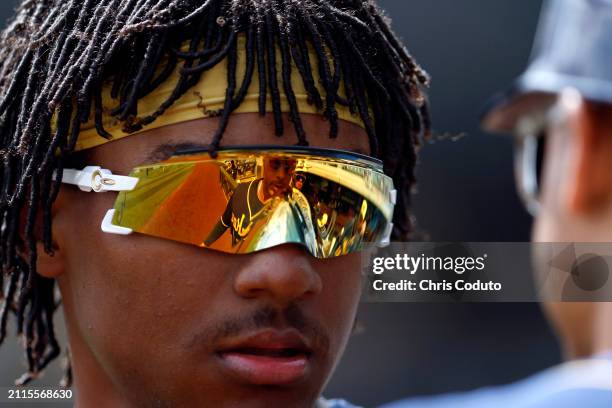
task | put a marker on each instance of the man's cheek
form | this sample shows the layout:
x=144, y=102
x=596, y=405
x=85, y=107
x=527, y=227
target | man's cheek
x=135, y=327
x=121, y=297
x=342, y=290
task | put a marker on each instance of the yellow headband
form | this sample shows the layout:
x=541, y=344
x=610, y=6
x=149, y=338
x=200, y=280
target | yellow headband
x=207, y=96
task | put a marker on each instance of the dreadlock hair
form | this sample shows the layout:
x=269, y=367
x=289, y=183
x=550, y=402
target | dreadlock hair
x=55, y=55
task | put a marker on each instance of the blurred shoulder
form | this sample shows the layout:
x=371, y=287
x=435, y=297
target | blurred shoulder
x=584, y=383
x=334, y=403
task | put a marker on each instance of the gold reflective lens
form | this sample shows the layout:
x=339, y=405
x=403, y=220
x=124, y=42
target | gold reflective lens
x=245, y=200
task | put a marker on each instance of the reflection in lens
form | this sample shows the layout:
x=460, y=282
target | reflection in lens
x=241, y=203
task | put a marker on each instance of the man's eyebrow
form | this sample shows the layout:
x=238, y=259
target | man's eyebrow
x=166, y=150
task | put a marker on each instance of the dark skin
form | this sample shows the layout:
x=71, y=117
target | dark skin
x=147, y=317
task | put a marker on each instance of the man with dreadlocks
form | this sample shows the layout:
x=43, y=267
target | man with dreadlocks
x=125, y=128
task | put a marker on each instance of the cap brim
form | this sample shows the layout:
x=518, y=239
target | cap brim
x=503, y=111
x=533, y=91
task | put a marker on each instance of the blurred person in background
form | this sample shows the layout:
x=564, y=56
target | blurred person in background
x=560, y=110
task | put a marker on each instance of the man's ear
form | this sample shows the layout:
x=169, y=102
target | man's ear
x=590, y=182
x=50, y=266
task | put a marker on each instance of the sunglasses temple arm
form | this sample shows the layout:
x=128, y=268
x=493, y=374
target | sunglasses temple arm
x=99, y=180
x=386, y=237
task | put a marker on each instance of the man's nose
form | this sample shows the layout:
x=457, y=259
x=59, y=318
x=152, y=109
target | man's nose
x=284, y=274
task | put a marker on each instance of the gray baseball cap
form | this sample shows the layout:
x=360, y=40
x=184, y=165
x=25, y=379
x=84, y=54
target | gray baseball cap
x=573, y=48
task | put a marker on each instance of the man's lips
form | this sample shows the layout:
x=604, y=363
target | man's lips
x=269, y=357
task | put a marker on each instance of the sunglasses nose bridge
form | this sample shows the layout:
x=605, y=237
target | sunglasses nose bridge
x=284, y=227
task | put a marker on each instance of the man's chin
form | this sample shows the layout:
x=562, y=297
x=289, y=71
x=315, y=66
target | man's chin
x=267, y=396
x=221, y=386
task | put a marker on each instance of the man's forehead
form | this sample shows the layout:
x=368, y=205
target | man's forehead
x=164, y=151
x=244, y=129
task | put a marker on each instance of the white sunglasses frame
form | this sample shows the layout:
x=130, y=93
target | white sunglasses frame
x=99, y=180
